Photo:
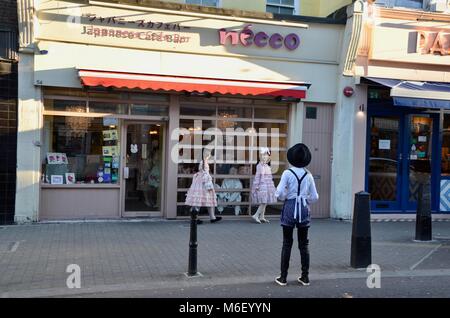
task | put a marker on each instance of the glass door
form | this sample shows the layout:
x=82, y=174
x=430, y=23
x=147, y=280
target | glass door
x=384, y=173
x=419, y=157
x=143, y=169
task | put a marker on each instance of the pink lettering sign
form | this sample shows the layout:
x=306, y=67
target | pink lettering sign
x=247, y=37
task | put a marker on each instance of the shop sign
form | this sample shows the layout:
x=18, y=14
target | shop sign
x=432, y=42
x=248, y=37
x=147, y=30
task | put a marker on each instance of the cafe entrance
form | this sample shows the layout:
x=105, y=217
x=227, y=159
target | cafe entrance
x=143, y=171
x=402, y=151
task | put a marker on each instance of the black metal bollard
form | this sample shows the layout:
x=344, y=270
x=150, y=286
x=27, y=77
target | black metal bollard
x=192, y=271
x=361, y=250
x=423, y=213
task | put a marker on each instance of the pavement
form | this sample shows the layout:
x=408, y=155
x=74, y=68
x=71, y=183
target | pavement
x=150, y=258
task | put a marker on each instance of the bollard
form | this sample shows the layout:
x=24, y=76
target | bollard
x=423, y=213
x=192, y=270
x=361, y=250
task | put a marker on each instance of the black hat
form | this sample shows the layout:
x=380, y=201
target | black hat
x=299, y=155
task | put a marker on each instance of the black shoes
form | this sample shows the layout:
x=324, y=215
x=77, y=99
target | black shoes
x=217, y=219
x=303, y=280
x=281, y=281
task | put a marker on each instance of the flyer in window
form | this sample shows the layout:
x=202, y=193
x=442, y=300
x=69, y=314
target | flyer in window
x=70, y=178
x=51, y=158
x=109, y=135
x=64, y=158
x=107, y=162
x=115, y=150
x=56, y=158
x=107, y=150
x=115, y=162
x=56, y=179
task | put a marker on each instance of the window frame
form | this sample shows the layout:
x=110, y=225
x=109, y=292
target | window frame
x=218, y=4
x=296, y=7
x=393, y=4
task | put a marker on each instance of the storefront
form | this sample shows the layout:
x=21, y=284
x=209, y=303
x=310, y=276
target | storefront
x=403, y=68
x=124, y=98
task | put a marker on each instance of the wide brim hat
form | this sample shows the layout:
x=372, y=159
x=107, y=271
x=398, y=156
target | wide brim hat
x=299, y=155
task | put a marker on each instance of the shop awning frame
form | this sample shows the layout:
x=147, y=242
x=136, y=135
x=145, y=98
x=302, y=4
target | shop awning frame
x=416, y=93
x=94, y=78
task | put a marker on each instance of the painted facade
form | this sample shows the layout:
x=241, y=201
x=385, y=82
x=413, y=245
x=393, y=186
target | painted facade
x=312, y=8
x=77, y=66
x=400, y=139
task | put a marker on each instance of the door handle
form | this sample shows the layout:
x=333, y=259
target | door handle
x=126, y=172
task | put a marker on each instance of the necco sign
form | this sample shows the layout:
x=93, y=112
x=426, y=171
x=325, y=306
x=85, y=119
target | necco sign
x=247, y=37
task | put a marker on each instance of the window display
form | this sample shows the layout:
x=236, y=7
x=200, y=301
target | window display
x=236, y=129
x=80, y=150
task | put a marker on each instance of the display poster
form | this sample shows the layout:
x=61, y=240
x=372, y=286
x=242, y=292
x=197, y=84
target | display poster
x=384, y=144
x=422, y=138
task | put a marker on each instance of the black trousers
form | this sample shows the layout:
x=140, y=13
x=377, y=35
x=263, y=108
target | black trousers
x=302, y=236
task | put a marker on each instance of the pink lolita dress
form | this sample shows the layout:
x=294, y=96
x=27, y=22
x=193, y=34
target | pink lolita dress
x=263, y=180
x=202, y=193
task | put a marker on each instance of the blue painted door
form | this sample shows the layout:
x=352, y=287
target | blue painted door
x=402, y=149
x=422, y=158
x=384, y=154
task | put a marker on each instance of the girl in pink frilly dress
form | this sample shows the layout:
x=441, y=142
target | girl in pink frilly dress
x=202, y=193
x=263, y=190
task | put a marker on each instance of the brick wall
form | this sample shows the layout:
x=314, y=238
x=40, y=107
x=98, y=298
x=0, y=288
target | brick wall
x=8, y=120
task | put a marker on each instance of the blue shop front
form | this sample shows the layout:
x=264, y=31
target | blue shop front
x=408, y=143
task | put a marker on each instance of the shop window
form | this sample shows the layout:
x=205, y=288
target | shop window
x=271, y=128
x=80, y=150
x=107, y=107
x=445, y=157
x=271, y=113
x=78, y=106
x=236, y=129
x=149, y=110
x=207, y=3
x=412, y=4
x=378, y=93
x=150, y=97
x=197, y=110
x=281, y=6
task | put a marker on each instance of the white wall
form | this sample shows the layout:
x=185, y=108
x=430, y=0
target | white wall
x=59, y=67
x=28, y=137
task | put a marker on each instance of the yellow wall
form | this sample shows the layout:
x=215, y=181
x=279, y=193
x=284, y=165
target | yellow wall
x=329, y=6
x=321, y=8
x=253, y=5
x=315, y=8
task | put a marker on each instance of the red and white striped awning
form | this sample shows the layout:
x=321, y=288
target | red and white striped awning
x=192, y=84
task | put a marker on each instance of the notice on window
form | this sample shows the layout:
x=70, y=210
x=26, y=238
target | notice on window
x=422, y=138
x=108, y=121
x=384, y=144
